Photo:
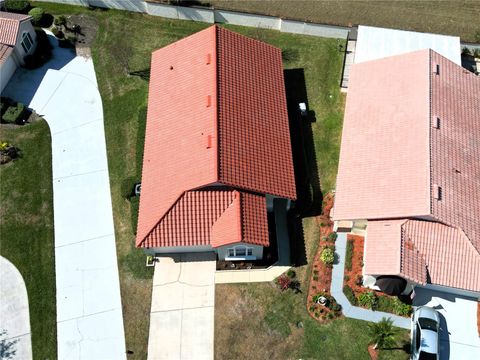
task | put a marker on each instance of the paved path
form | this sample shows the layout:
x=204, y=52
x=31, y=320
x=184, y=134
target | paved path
x=458, y=323
x=336, y=290
x=15, y=338
x=182, y=314
x=89, y=310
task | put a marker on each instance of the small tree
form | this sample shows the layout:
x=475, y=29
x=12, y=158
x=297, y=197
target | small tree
x=382, y=333
x=17, y=6
x=327, y=256
x=37, y=15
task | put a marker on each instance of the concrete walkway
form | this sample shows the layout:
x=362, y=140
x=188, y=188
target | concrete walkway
x=89, y=309
x=336, y=290
x=182, y=314
x=15, y=341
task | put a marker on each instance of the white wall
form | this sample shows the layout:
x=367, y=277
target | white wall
x=222, y=251
x=25, y=26
x=6, y=71
x=180, y=12
x=236, y=18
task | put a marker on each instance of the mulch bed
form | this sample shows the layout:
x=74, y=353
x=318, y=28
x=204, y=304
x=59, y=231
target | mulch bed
x=321, y=275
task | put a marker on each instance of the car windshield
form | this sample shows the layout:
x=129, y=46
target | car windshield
x=427, y=356
x=428, y=324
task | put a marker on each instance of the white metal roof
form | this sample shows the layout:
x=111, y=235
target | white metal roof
x=375, y=43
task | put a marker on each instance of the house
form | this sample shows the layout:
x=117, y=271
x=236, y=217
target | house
x=409, y=170
x=217, y=146
x=376, y=43
x=17, y=39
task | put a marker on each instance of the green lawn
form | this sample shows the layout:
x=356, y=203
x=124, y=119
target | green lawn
x=449, y=17
x=26, y=227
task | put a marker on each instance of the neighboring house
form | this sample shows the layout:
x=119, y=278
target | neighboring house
x=17, y=39
x=217, y=146
x=376, y=43
x=409, y=170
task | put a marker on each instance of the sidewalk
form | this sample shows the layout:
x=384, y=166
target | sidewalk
x=89, y=310
x=14, y=314
x=336, y=290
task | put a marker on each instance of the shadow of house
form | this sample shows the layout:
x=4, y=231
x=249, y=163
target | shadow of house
x=309, y=195
x=24, y=91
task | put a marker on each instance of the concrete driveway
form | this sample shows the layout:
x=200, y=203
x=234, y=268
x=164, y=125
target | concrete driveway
x=15, y=340
x=182, y=314
x=458, y=335
x=89, y=309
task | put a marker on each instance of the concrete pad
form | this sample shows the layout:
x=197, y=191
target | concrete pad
x=458, y=335
x=82, y=207
x=14, y=312
x=182, y=312
x=91, y=337
x=78, y=157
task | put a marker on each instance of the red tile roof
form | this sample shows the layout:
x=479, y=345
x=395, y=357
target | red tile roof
x=254, y=137
x=410, y=149
x=5, y=52
x=200, y=132
x=423, y=252
x=9, y=25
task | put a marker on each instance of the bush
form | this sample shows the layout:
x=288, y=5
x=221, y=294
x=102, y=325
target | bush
x=14, y=114
x=327, y=256
x=368, y=300
x=349, y=255
x=346, y=278
x=359, y=280
x=17, y=6
x=60, y=21
x=283, y=282
x=291, y=273
x=57, y=32
x=290, y=55
x=476, y=53
x=347, y=290
x=37, y=15
x=330, y=316
x=332, y=236
x=466, y=51
x=400, y=308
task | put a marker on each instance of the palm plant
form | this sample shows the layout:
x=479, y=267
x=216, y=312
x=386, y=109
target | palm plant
x=382, y=333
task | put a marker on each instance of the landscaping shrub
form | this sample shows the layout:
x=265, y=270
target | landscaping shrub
x=8, y=152
x=283, y=282
x=330, y=316
x=14, y=114
x=400, y=308
x=60, y=21
x=466, y=51
x=57, y=32
x=476, y=53
x=43, y=51
x=37, y=15
x=346, y=278
x=385, y=303
x=349, y=255
x=332, y=236
x=327, y=256
x=17, y=6
x=291, y=273
x=347, y=290
x=368, y=300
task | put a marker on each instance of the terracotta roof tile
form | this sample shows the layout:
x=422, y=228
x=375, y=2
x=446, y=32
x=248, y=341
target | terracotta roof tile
x=428, y=252
x=9, y=25
x=5, y=52
x=206, y=127
x=254, y=136
x=455, y=146
x=384, y=167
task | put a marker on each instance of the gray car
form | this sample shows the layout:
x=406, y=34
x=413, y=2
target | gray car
x=425, y=334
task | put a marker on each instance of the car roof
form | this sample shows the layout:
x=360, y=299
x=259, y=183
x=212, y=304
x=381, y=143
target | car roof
x=429, y=341
x=427, y=312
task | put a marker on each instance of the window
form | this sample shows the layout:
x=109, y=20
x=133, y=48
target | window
x=27, y=42
x=240, y=251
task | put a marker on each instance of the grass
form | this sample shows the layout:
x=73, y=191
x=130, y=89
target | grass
x=349, y=255
x=439, y=16
x=26, y=228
